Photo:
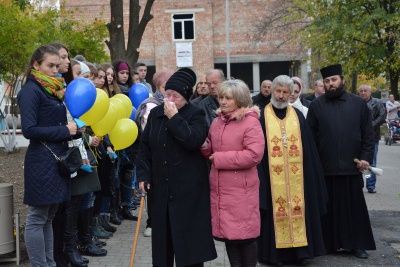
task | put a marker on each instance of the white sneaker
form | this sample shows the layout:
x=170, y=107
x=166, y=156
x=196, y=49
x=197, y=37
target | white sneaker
x=147, y=232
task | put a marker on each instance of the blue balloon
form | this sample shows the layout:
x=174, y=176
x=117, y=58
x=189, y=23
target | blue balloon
x=80, y=96
x=132, y=117
x=138, y=93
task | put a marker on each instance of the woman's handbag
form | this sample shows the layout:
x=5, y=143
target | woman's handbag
x=68, y=162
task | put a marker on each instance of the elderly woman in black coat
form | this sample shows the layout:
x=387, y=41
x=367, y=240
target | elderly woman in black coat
x=170, y=162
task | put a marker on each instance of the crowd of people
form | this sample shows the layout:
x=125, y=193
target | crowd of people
x=272, y=176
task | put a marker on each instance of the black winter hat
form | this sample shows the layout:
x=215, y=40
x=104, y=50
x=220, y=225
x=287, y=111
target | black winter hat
x=182, y=81
x=331, y=71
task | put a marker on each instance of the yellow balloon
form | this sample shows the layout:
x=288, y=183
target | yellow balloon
x=105, y=125
x=127, y=104
x=150, y=95
x=98, y=110
x=119, y=105
x=123, y=134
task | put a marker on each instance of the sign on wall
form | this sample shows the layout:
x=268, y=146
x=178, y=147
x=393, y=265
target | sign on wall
x=184, y=54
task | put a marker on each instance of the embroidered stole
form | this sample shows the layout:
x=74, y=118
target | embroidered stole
x=285, y=156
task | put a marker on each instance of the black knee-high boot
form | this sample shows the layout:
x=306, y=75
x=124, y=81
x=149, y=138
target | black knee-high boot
x=86, y=242
x=58, y=237
x=70, y=231
x=248, y=252
x=233, y=251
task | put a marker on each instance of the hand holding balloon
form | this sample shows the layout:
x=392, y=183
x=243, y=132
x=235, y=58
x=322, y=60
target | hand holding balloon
x=72, y=127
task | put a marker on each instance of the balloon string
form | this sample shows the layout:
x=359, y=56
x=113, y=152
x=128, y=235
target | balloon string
x=95, y=152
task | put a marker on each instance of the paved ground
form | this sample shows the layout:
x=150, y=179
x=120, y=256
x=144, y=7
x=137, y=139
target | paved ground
x=384, y=214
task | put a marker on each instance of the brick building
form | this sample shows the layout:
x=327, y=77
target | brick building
x=196, y=32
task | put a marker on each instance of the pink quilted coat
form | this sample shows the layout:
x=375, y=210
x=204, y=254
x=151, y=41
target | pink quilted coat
x=238, y=146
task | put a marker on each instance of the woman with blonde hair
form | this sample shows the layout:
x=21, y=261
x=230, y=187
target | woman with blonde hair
x=235, y=145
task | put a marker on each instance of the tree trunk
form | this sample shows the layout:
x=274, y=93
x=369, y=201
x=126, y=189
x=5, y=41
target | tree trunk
x=394, y=83
x=354, y=78
x=136, y=29
x=116, y=44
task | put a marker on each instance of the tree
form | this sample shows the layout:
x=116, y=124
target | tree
x=16, y=42
x=22, y=29
x=363, y=35
x=137, y=26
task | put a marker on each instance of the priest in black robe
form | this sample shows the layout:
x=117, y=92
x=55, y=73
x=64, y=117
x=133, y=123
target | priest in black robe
x=280, y=142
x=342, y=128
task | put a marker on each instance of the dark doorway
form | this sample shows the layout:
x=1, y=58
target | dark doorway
x=242, y=71
x=270, y=70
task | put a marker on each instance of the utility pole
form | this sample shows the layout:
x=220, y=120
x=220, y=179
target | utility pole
x=228, y=49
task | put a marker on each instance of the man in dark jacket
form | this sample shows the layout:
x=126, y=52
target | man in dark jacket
x=378, y=116
x=319, y=90
x=210, y=104
x=342, y=128
x=264, y=97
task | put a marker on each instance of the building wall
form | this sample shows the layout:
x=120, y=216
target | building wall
x=209, y=47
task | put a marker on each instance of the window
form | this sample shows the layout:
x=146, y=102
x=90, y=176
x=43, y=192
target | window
x=183, y=26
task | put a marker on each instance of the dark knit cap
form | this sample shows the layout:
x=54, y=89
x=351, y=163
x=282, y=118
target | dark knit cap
x=331, y=71
x=182, y=81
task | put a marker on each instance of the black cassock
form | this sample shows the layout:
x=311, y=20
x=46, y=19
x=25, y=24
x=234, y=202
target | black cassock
x=315, y=202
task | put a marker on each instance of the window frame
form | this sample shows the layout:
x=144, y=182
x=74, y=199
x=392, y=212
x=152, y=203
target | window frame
x=182, y=21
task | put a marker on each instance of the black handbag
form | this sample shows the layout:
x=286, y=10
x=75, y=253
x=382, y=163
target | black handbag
x=68, y=162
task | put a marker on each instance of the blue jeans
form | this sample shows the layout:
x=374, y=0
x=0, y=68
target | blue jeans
x=125, y=184
x=87, y=201
x=371, y=181
x=39, y=235
x=105, y=206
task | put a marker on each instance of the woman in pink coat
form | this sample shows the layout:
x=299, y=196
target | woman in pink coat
x=235, y=145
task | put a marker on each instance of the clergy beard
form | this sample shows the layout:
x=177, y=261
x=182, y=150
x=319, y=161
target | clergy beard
x=331, y=95
x=279, y=105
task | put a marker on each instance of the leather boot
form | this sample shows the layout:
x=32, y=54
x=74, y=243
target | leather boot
x=249, y=254
x=92, y=250
x=104, y=222
x=101, y=227
x=99, y=231
x=98, y=242
x=75, y=258
x=85, y=238
x=126, y=212
x=233, y=251
x=70, y=240
x=114, y=218
x=58, y=237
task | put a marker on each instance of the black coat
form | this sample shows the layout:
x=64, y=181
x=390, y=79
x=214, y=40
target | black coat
x=261, y=101
x=305, y=102
x=311, y=97
x=43, y=118
x=342, y=131
x=378, y=116
x=170, y=159
x=209, y=105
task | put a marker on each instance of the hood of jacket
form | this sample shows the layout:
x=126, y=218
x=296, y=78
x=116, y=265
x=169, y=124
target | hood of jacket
x=240, y=113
